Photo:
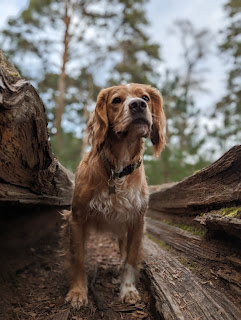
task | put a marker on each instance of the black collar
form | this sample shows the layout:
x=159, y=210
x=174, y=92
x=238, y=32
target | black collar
x=115, y=174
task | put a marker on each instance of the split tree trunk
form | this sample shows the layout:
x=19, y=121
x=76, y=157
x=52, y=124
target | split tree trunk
x=29, y=173
x=214, y=187
x=202, y=197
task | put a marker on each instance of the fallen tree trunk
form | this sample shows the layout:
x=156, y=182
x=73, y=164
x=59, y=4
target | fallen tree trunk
x=197, y=248
x=224, y=257
x=29, y=173
x=178, y=293
x=214, y=187
x=217, y=223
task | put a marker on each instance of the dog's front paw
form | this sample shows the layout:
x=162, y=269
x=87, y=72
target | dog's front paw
x=77, y=297
x=129, y=295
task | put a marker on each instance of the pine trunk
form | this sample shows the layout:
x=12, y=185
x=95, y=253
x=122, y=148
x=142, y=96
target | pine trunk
x=62, y=81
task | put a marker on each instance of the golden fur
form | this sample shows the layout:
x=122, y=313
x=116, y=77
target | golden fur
x=123, y=117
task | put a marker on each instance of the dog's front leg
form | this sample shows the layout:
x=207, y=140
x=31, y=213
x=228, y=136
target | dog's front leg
x=77, y=295
x=128, y=291
x=122, y=247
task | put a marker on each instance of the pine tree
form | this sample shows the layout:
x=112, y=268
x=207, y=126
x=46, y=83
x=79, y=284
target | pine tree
x=60, y=38
x=186, y=136
x=230, y=105
x=135, y=56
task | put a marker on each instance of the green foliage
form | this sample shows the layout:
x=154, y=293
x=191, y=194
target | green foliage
x=192, y=229
x=185, y=134
x=69, y=155
x=169, y=169
x=110, y=34
x=229, y=107
x=233, y=212
x=137, y=55
x=37, y=34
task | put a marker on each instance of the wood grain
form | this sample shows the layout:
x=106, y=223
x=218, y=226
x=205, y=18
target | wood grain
x=214, y=187
x=178, y=293
x=29, y=171
x=216, y=222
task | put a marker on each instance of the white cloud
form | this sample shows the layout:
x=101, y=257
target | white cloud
x=10, y=8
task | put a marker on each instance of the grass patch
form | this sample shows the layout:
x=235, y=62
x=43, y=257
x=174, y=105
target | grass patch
x=233, y=212
x=192, y=229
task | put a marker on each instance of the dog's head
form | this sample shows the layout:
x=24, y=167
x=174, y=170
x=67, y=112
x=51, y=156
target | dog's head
x=130, y=111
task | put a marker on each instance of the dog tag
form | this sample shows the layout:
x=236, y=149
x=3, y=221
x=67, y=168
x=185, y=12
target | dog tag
x=111, y=185
x=112, y=189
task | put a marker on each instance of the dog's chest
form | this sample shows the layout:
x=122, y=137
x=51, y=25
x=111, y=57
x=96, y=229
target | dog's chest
x=122, y=206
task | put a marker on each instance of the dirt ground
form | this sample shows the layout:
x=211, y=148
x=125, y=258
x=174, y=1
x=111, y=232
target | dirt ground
x=37, y=290
x=34, y=283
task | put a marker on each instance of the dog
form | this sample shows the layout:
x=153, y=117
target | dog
x=111, y=191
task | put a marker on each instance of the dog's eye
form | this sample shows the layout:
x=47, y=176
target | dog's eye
x=145, y=98
x=116, y=100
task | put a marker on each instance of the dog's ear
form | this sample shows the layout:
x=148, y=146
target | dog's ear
x=158, y=137
x=98, y=123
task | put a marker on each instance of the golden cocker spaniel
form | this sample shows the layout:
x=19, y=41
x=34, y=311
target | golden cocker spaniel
x=111, y=192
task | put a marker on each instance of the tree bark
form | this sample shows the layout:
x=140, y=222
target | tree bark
x=218, y=223
x=62, y=79
x=29, y=172
x=221, y=256
x=214, y=187
x=178, y=293
x=86, y=115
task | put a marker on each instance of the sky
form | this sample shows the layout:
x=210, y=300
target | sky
x=204, y=15
x=162, y=14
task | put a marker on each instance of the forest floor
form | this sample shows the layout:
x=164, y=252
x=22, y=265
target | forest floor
x=34, y=283
x=38, y=290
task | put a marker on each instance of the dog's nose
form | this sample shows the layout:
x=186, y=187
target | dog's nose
x=137, y=105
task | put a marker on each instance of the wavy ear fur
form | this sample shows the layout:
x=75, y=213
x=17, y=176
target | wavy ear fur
x=158, y=137
x=98, y=123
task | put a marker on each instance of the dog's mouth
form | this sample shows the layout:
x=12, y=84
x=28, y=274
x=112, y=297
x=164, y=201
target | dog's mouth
x=137, y=125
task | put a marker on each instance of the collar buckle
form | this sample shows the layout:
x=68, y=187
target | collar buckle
x=112, y=174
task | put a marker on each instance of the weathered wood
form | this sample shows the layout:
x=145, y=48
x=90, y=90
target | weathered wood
x=211, y=188
x=233, y=276
x=195, y=247
x=178, y=293
x=216, y=222
x=220, y=254
x=173, y=218
x=29, y=172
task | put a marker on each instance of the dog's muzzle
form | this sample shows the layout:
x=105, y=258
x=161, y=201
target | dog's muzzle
x=137, y=106
x=138, y=117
